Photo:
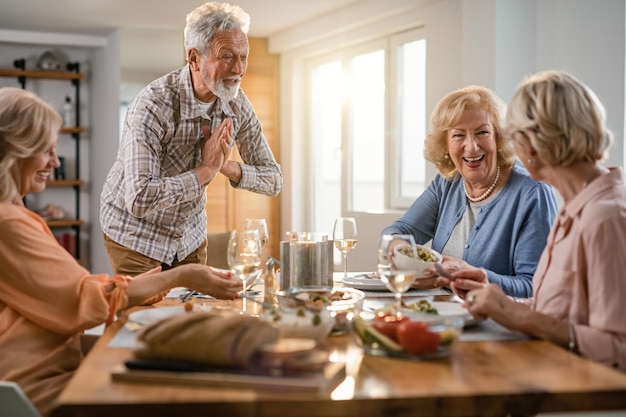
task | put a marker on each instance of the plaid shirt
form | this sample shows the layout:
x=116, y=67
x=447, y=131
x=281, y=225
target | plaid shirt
x=151, y=201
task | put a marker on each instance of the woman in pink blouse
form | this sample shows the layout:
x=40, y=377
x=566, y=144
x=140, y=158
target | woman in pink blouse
x=557, y=126
x=46, y=298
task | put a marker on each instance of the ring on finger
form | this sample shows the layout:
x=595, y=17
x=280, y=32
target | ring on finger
x=471, y=299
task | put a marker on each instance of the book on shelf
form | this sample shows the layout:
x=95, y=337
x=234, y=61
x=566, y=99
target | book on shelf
x=68, y=241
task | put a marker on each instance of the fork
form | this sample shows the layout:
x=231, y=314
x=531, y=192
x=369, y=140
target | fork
x=443, y=271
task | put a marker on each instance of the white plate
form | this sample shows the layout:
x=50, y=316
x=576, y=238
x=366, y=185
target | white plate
x=444, y=309
x=150, y=315
x=454, y=309
x=363, y=283
x=448, y=308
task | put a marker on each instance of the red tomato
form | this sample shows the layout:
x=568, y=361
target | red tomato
x=388, y=324
x=416, y=338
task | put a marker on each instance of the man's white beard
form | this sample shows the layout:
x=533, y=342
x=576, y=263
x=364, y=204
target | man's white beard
x=223, y=92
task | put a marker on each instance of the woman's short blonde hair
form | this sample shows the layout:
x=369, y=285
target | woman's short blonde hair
x=26, y=125
x=561, y=117
x=446, y=115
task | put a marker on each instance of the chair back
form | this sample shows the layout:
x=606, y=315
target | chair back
x=13, y=401
x=217, y=249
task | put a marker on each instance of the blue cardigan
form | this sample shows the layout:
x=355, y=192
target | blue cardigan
x=510, y=232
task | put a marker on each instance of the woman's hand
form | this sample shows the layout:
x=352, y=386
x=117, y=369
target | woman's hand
x=490, y=301
x=466, y=276
x=217, y=283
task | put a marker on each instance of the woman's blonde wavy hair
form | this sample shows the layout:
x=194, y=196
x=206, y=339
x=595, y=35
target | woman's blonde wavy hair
x=26, y=125
x=446, y=115
x=561, y=117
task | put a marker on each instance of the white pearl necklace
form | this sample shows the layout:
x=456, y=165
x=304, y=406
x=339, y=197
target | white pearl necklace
x=486, y=193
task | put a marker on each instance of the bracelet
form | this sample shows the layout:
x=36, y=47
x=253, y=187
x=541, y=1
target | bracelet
x=571, y=344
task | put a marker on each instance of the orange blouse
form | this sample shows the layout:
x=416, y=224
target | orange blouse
x=46, y=301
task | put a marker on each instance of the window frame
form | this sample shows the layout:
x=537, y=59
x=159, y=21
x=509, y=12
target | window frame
x=393, y=202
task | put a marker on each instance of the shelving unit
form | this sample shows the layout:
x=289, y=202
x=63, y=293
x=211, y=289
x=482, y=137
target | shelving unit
x=73, y=75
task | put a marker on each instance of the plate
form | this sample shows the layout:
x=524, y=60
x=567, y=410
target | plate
x=365, y=282
x=452, y=309
x=150, y=315
x=444, y=309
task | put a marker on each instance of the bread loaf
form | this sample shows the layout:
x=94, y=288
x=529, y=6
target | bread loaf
x=207, y=338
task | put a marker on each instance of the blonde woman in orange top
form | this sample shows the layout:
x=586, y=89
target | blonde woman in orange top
x=47, y=299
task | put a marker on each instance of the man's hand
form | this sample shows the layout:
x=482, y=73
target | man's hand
x=216, y=149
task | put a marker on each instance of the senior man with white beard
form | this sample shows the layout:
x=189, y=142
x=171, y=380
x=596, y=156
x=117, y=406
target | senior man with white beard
x=177, y=136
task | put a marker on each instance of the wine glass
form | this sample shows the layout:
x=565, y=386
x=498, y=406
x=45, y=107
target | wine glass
x=397, y=280
x=244, y=257
x=261, y=226
x=344, y=236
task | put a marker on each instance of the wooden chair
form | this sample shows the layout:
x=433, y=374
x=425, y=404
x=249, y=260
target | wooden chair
x=217, y=249
x=13, y=401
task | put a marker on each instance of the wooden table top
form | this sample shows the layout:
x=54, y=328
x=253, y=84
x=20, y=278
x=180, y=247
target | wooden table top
x=486, y=378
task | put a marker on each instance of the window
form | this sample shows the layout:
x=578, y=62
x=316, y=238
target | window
x=367, y=138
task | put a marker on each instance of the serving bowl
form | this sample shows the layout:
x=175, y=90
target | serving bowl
x=340, y=302
x=416, y=336
x=424, y=264
x=313, y=313
x=300, y=322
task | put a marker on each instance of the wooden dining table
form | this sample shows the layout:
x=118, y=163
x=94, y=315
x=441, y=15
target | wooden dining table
x=478, y=378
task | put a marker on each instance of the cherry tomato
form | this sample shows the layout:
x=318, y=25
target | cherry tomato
x=416, y=338
x=388, y=324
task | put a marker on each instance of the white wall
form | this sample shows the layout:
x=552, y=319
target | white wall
x=490, y=42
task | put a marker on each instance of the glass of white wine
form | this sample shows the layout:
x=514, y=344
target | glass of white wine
x=261, y=226
x=397, y=280
x=345, y=238
x=244, y=257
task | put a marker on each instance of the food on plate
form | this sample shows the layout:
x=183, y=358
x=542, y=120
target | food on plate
x=421, y=306
x=339, y=302
x=387, y=324
x=300, y=322
x=385, y=333
x=416, y=338
x=418, y=306
x=423, y=254
x=423, y=263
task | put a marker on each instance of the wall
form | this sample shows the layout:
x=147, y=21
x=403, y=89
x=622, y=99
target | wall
x=489, y=42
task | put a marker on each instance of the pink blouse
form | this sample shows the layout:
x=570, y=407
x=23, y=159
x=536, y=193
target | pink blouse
x=46, y=301
x=581, y=276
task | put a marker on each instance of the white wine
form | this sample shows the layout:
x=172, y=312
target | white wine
x=345, y=245
x=397, y=281
x=263, y=243
x=242, y=270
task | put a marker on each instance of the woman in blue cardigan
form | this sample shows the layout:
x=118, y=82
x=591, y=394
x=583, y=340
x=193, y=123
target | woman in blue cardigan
x=482, y=210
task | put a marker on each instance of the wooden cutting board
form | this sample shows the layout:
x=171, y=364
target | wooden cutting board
x=331, y=375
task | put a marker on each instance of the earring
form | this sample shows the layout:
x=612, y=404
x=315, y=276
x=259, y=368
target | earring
x=446, y=156
x=531, y=161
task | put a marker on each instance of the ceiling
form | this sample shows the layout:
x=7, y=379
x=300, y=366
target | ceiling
x=151, y=25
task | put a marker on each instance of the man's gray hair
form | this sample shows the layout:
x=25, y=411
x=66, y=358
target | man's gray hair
x=211, y=19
